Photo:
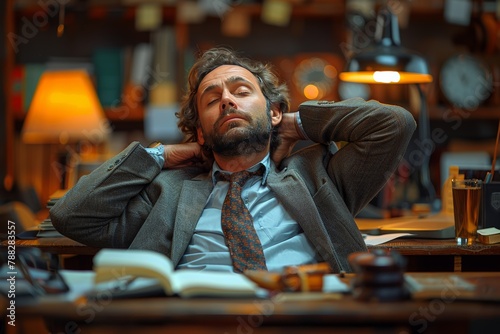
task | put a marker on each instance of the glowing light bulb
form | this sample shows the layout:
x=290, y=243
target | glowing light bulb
x=386, y=76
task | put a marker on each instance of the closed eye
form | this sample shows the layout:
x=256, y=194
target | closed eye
x=242, y=90
x=212, y=101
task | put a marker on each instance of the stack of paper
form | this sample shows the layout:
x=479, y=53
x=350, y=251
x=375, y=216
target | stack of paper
x=45, y=228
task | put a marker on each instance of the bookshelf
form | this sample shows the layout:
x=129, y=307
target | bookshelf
x=92, y=28
x=316, y=27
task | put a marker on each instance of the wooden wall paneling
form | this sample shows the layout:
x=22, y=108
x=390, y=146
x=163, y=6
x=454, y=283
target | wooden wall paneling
x=7, y=167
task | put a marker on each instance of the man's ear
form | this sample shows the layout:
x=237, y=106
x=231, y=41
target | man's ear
x=201, y=139
x=276, y=115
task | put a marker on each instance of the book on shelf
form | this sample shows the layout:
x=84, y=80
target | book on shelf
x=126, y=271
x=109, y=71
x=17, y=89
x=32, y=74
x=24, y=78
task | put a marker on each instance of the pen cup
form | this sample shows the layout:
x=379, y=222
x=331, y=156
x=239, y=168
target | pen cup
x=490, y=205
x=466, y=205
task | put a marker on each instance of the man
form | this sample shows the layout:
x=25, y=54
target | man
x=236, y=117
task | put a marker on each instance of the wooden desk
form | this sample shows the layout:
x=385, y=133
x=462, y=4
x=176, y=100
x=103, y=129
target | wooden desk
x=445, y=255
x=422, y=254
x=72, y=254
x=266, y=316
x=58, y=246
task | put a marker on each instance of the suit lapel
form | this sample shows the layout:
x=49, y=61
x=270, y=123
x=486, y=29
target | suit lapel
x=192, y=200
x=288, y=187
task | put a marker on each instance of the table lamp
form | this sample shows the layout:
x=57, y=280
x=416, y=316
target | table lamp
x=387, y=62
x=65, y=110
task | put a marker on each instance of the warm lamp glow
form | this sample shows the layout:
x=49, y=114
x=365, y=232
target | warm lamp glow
x=387, y=59
x=394, y=77
x=387, y=62
x=64, y=109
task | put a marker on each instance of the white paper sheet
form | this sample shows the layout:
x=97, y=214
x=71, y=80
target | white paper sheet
x=372, y=240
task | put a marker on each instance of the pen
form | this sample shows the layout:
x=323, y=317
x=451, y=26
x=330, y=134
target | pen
x=487, y=179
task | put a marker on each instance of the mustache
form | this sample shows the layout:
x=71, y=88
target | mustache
x=231, y=111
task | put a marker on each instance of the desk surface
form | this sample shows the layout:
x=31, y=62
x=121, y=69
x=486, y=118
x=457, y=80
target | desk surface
x=422, y=254
x=304, y=313
x=405, y=246
x=59, y=245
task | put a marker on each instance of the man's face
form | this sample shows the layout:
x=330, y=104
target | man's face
x=234, y=117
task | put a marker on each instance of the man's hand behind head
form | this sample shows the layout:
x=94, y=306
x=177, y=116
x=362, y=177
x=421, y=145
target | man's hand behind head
x=289, y=136
x=186, y=154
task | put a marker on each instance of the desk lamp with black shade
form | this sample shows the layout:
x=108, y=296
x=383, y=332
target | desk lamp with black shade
x=65, y=112
x=387, y=62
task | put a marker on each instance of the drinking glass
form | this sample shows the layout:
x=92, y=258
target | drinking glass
x=466, y=204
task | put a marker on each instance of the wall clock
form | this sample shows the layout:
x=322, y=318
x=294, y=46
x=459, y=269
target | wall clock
x=465, y=81
x=311, y=76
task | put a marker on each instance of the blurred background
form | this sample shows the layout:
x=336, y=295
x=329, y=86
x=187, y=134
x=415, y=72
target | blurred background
x=81, y=79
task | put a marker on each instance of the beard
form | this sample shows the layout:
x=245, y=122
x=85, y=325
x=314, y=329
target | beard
x=239, y=140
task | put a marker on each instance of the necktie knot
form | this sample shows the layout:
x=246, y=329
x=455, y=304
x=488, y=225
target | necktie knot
x=240, y=177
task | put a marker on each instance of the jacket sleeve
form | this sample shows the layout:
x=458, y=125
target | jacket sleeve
x=374, y=139
x=95, y=210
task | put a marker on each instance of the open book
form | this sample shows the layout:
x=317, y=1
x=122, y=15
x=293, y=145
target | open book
x=142, y=268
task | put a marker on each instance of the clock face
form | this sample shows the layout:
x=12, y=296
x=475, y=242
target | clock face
x=314, y=78
x=310, y=76
x=465, y=81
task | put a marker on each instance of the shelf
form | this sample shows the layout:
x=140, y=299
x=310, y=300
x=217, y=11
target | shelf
x=98, y=10
x=124, y=114
x=305, y=9
x=448, y=113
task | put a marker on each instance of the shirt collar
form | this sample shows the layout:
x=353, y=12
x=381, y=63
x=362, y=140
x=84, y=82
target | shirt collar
x=266, y=162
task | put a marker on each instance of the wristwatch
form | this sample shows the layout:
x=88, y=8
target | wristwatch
x=155, y=144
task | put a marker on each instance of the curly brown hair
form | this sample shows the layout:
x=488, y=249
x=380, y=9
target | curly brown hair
x=276, y=93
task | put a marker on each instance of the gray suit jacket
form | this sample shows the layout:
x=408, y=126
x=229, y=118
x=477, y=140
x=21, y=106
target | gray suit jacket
x=130, y=202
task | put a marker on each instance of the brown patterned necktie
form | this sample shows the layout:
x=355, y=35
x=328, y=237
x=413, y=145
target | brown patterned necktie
x=237, y=224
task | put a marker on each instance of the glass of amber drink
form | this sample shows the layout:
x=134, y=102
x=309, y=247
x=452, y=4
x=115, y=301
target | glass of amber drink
x=466, y=204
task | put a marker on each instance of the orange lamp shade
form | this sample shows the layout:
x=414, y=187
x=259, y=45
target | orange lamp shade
x=65, y=108
x=387, y=62
x=385, y=77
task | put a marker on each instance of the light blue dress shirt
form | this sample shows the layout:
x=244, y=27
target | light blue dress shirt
x=282, y=239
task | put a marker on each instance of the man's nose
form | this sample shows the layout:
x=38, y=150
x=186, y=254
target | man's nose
x=227, y=101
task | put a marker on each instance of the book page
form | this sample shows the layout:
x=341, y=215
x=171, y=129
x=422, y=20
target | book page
x=112, y=264
x=189, y=283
